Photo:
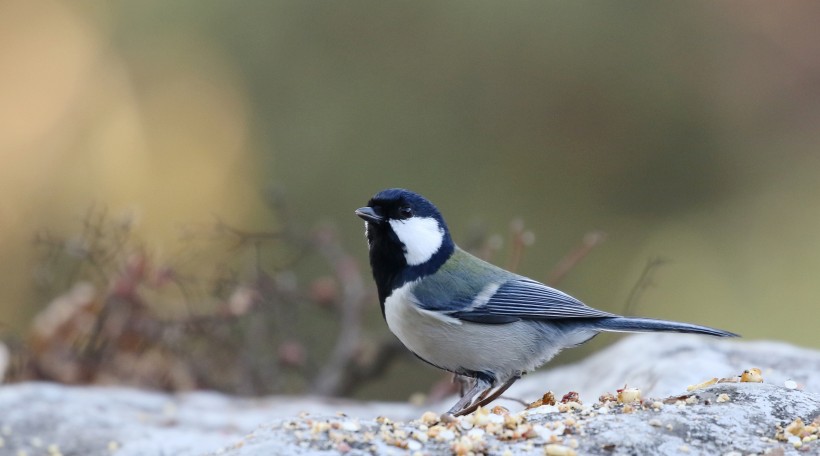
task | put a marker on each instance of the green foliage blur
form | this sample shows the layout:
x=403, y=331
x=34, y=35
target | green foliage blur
x=684, y=130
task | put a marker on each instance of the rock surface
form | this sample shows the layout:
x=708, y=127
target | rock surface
x=91, y=421
x=49, y=419
x=739, y=418
x=665, y=364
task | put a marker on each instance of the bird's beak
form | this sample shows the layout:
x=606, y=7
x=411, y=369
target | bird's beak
x=368, y=214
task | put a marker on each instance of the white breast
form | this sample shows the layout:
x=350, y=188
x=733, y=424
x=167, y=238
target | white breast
x=458, y=345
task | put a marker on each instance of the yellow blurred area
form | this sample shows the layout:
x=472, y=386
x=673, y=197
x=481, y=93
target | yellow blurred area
x=74, y=132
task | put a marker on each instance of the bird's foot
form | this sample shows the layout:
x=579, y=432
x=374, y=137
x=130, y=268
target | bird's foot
x=467, y=406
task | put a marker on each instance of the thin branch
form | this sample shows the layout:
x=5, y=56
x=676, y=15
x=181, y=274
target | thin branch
x=643, y=283
x=330, y=377
x=520, y=239
x=591, y=240
x=245, y=237
x=355, y=374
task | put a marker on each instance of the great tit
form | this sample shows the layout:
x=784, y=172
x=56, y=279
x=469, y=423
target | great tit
x=464, y=315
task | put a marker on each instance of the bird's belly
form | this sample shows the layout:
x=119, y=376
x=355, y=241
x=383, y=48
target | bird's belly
x=502, y=350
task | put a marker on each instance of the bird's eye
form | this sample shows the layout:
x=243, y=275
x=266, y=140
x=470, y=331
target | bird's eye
x=405, y=212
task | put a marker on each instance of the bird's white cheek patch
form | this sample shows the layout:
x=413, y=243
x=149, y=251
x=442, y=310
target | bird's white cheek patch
x=421, y=236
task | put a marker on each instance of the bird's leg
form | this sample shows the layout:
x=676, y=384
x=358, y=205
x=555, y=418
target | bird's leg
x=480, y=385
x=464, y=383
x=484, y=399
x=483, y=394
x=499, y=391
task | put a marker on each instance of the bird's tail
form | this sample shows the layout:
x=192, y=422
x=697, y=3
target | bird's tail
x=629, y=324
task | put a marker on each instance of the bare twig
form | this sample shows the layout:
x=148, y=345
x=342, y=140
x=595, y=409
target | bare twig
x=356, y=375
x=644, y=282
x=590, y=241
x=520, y=239
x=330, y=378
x=115, y=332
x=244, y=237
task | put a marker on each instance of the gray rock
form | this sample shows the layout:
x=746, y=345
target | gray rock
x=94, y=420
x=665, y=364
x=745, y=421
x=40, y=418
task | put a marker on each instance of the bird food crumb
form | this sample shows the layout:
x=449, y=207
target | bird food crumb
x=753, y=375
x=547, y=399
x=572, y=396
x=555, y=449
x=628, y=395
x=702, y=385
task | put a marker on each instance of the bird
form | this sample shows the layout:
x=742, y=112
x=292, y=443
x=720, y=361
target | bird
x=457, y=312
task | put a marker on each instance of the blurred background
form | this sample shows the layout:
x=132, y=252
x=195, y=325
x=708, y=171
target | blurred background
x=179, y=174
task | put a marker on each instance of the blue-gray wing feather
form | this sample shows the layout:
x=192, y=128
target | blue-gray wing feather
x=453, y=290
x=525, y=299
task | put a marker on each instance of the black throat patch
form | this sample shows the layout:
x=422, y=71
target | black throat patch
x=389, y=266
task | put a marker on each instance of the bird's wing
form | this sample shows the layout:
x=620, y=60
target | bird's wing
x=525, y=299
x=471, y=289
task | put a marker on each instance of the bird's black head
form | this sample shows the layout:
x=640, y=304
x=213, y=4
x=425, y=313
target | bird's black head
x=407, y=237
